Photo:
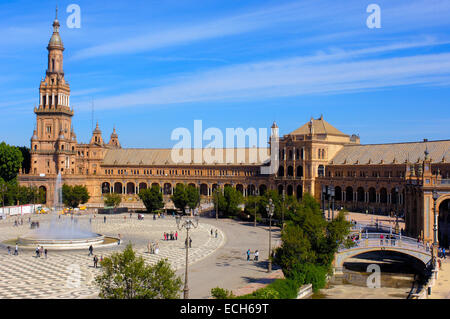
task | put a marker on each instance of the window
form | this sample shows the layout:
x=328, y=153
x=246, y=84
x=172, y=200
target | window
x=48, y=129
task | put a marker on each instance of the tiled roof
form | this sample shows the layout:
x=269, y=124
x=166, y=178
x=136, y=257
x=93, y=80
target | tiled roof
x=319, y=126
x=143, y=156
x=401, y=152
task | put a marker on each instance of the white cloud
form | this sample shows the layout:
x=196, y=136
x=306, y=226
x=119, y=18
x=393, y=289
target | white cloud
x=324, y=73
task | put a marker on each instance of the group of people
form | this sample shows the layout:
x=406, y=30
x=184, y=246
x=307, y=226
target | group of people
x=16, y=250
x=18, y=222
x=40, y=250
x=255, y=254
x=213, y=233
x=153, y=248
x=171, y=236
x=96, y=260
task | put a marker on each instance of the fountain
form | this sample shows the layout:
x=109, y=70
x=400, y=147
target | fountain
x=63, y=233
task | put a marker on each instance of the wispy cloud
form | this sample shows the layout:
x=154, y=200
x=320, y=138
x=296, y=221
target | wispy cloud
x=323, y=73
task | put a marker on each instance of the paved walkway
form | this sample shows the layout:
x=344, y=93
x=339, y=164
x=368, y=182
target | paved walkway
x=26, y=276
x=441, y=289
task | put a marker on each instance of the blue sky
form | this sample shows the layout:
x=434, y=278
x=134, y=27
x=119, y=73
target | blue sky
x=149, y=67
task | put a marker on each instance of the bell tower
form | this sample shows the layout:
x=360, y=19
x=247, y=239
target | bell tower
x=52, y=145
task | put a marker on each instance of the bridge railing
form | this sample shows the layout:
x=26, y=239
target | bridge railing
x=388, y=240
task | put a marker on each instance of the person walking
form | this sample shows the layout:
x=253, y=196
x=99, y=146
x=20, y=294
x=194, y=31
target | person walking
x=104, y=219
x=16, y=250
x=45, y=253
x=256, y=255
x=216, y=233
x=176, y=235
x=248, y=254
x=95, y=261
x=443, y=253
x=211, y=232
x=9, y=250
x=91, y=249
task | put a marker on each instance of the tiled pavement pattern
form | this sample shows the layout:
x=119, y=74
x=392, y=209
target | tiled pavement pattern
x=26, y=276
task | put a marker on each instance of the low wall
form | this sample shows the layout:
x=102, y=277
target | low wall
x=305, y=291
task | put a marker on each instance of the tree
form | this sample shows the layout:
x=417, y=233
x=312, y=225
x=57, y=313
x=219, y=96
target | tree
x=73, y=196
x=112, y=199
x=26, y=162
x=193, y=196
x=180, y=197
x=125, y=276
x=230, y=200
x=309, y=242
x=152, y=198
x=10, y=161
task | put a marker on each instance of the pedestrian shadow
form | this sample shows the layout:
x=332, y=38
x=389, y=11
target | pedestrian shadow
x=263, y=281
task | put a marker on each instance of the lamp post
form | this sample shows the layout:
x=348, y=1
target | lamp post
x=324, y=192
x=3, y=189
x=332, y=192
x=282, y=208
x=435, y=228
x=270, y=208
x=187, y=223
x=397, y=227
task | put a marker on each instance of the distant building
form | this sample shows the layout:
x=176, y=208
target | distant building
x=377, y=178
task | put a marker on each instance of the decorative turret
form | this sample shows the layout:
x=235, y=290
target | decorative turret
x=114, y=140
x=97, y=136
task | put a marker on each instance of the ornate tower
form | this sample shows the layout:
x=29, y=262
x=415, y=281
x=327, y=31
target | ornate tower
x=52, y=145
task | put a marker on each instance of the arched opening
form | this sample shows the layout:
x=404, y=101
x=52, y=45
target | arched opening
x=106, y=188
x=142, y=186
x=251, y=190
x=372, y=195
x=155, y=184
x=321, y=170
x=338, y=193
x=262, y=189
x=280, y=189
x=383, y=195
x=299, y=171
x=299, y=191
x=192, y=184
x=167, y=189
x=240, y=188
x=130, y=188
x=204, y=189
x=290, y=171
x=394, y=196
x=290, y=190
x=360, y=194
x=43, y=194
x=281, y=171
x=290, y=155
x=349, y=194
x=214, y=187
x=118, y=188
x=444, y=223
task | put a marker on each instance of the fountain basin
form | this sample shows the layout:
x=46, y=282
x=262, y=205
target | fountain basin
x=31, y=242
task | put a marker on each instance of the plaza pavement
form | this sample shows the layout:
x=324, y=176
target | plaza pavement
x=212, y=261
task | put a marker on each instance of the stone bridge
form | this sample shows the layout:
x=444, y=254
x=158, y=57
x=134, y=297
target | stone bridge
x=371, y=242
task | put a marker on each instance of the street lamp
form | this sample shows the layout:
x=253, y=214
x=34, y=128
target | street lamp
x=217, y=200
x=270, y=208
x=3, y=189
x=332, y=192
x=397, y=227
x=282, y=208
x=324, y=192
x=187, y=223
x=435, y=228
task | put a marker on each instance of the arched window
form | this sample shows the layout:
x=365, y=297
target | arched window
x=360, y=194
x=130, y=188
x=383, y=195
x=118, y=188
x=106, y=188
x=281, y=171
x=338, y=193
x=321, y=171
x=372, y=195
x=299, y=171
x=290, y=171
x=349, y=194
